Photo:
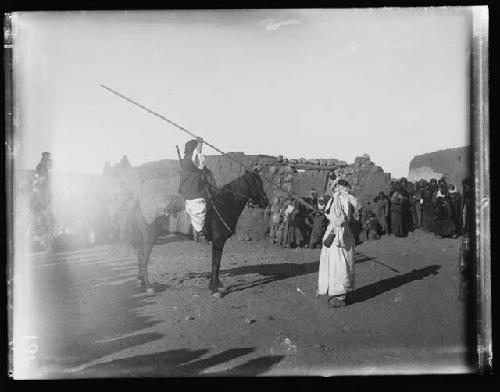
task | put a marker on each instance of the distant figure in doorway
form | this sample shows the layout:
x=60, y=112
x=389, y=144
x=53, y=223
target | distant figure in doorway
x=318, y=224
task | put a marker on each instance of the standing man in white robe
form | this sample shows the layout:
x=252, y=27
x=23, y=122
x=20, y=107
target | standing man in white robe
x=336, y=267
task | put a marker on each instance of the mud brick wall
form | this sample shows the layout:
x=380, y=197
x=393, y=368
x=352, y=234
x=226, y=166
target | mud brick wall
x=299, y=175
x=453, y=164
x=90, y=203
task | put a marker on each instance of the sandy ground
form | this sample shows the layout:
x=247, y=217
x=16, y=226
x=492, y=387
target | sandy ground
x=91, y=318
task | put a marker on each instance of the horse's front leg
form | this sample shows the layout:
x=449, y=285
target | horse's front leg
x=148, y=247
x=215, y=285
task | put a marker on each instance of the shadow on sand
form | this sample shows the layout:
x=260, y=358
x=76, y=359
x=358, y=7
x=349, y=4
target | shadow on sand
x=372, y=290
x=269, y=272
x=181, y=363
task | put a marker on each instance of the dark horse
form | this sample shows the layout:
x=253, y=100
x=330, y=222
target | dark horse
x=224, y=207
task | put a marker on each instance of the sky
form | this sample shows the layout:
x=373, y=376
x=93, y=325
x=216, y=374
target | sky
x=393, y=83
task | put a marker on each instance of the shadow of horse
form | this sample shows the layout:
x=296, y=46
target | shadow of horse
x=183, y=363
x=269, y=272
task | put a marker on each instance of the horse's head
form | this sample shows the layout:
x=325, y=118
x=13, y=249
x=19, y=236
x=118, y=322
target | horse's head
x=255, y=191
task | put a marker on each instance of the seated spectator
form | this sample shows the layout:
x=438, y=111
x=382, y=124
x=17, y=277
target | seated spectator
x=372, y=227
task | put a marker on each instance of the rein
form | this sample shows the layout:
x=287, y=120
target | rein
x=220, y=217
x=226, y=189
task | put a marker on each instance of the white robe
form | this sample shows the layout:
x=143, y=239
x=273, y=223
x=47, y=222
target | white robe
x=196, y=208
x=336, y=266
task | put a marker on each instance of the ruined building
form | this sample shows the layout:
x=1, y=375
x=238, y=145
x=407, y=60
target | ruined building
x=453, y=164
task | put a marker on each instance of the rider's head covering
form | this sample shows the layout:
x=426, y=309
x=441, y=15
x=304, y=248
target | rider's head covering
x=190, y=146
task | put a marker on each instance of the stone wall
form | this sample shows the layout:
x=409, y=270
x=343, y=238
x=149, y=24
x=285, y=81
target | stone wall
x=153, y=181
x=453, y=164
x=87, y=204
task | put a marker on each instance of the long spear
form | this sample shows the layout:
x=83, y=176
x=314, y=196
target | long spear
x=302, y=201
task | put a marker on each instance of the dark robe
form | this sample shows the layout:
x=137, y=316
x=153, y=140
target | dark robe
x=297, y=226
x=319, y=223
x=456, y=210
x=192, y=181
x=427, y=210
x=397, y=216
x=444, y=225
x=416, y=208
x=406, y=210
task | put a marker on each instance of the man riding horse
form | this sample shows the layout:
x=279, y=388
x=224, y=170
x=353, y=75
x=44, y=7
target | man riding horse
x=194, y=180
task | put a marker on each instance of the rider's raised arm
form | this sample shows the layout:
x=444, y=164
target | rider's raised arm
x=198, y=159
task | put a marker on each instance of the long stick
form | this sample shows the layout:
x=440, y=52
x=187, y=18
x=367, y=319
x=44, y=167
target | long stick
x=302, y=201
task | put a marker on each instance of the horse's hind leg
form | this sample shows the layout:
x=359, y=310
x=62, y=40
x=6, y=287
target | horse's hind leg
x=140, y=262
x=148, y=247
x=148, y=236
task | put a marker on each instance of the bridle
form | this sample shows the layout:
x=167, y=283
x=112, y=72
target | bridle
x=249, y=202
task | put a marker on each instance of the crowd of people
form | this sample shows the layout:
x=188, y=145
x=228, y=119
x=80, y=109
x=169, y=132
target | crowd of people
x=434, y=206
